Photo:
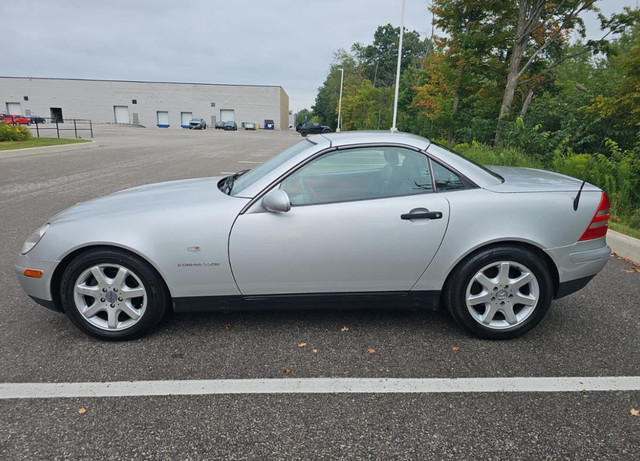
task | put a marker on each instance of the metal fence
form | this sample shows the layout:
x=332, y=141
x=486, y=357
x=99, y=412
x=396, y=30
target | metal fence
x=77, y=125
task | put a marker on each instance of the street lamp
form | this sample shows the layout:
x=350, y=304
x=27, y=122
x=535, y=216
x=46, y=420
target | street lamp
x=395, y=101
x=340, y=100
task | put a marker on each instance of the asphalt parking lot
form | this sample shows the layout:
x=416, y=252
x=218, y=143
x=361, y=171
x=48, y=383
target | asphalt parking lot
x=593, y=333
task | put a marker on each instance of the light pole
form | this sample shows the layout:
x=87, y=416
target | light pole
x=395, y=101
x=340, y=99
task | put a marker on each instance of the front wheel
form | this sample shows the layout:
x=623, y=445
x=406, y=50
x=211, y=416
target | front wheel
x=112, y=294
x=499, y=293
x=303, y=133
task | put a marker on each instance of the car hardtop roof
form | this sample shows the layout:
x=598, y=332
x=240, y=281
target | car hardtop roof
x=367, y=137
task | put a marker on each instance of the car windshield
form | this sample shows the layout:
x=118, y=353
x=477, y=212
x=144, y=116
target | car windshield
x=267, y=167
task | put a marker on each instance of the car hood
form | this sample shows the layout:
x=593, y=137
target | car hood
x=517, y=179
x=148, y=199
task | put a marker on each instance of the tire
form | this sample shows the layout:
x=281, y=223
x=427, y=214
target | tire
x=499, y=293
x=92, y=288
x=326, y=131
x=303, y=133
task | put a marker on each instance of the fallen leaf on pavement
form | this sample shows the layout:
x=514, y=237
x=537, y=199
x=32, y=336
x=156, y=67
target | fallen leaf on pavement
x=286, y=371
x=227, y=326
x=345, y=329
x=302, y=345
x=82, y=411
x=455, y=348
x=635, y=412
x=315, y=351
x=371, y=350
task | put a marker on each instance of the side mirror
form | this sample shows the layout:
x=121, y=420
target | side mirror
x=276, y=201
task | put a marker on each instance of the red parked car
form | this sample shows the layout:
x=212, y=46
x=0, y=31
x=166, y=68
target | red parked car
x=14, y=119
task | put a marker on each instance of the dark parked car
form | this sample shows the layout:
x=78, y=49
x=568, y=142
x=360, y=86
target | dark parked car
x=219, y=125
x=36, y=119
x=306, y=128
x=197, y=124
x=230, y=125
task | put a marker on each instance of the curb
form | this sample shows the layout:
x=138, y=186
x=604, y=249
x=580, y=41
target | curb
x=47, y=149
x=623, y=245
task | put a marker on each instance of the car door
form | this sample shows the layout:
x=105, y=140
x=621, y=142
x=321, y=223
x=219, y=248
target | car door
x=361, y=220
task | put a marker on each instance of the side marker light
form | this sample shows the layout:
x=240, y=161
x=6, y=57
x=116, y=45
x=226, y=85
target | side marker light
x=35, y=273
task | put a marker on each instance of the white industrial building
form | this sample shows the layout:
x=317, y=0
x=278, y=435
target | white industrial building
x=165, y=105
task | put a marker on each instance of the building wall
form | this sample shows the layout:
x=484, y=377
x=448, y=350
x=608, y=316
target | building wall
x=95, y=100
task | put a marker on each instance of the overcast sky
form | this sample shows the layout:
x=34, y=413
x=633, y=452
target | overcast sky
x=259, y=42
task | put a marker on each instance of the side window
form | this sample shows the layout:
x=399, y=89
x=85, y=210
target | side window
x=445, y=179
x=359, y=174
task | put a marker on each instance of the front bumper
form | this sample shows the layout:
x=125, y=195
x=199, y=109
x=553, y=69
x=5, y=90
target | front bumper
x=37, y=288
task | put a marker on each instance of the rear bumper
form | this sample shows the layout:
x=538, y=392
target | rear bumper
x=566, y=288
x=579, y=263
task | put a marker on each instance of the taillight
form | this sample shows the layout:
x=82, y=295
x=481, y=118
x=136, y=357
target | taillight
x=600, y=223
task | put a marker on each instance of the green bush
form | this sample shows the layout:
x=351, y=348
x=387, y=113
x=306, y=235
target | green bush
x=14, y=132
x=505, y=156
x=618, y=173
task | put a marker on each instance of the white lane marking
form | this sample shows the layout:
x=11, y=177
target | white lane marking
x=316, y=386
x=248, y=161
x=228, y=172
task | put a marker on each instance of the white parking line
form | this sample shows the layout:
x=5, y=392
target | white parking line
x=316, y=386
x=248, y=161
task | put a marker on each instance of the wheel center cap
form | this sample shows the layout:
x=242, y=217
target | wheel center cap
x=111, y=296
x=502, y=295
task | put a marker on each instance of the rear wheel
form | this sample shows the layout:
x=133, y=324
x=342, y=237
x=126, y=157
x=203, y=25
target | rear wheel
x=112, y=294
x=499, y=293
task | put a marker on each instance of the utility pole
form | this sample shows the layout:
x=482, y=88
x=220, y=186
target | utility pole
x=340, y=101
x=395, y=101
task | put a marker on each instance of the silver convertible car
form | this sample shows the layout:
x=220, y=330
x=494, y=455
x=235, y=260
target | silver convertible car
x=335, y=219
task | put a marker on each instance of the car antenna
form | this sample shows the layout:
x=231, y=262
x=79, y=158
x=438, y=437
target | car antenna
x=577, y=199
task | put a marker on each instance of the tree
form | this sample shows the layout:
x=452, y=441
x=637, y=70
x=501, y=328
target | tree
x=539, y=25
x=378, y=61
x=475, y=31
x=617, y=105
x=326, y=105
x=303, y=116
x=365, y=107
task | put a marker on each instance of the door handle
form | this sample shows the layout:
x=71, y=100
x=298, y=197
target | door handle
x=425, y=215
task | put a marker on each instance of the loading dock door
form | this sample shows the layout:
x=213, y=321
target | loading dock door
x=184, y=118
x=227, y=115
x=56, y=115
x=163, y=119
x=13, y=108
x=121, y=114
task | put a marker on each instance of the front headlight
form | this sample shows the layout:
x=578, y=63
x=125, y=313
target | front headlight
x=33, y=239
